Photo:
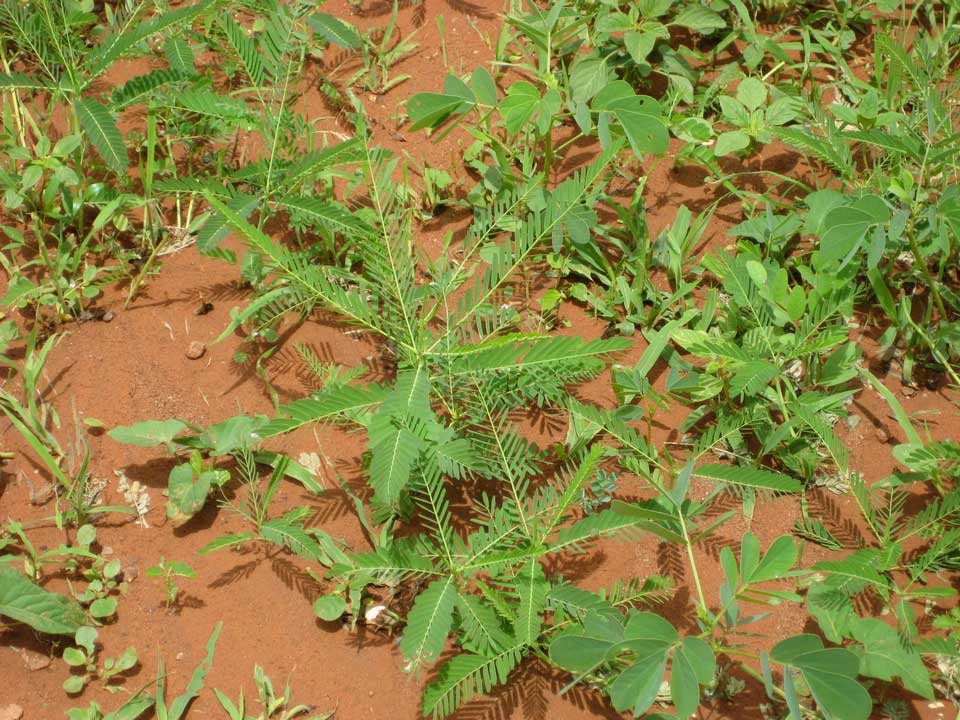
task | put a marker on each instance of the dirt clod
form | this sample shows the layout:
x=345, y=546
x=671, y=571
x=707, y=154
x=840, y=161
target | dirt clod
x=43, y=495
x=32, y=659
x=196, y=350
x=11, y=712
x=882, y=435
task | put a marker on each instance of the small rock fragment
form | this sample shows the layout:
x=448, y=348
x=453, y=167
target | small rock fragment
x=196, y=350
x=882, y=435
x=107, y=551
x=11, y=712
x=853, y=420
x=43, y=495
x=108, y=316
x=32, y=659
x=909, y=390
x=373, y=613
x=131, y=571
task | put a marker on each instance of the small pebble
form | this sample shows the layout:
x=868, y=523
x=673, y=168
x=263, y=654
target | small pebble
x=32, y=659
x=181, y=655
x=853, y=420
x=909, y=390
x=108, y=316
x=196, y=350
x=43, y=495
x=11, y=712
x=107, y=551
x=131, y=571
x=882, y=435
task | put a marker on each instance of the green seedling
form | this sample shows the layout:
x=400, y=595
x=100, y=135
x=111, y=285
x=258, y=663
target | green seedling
x=177, y=709
x=83, y=657
x=168, y=572
x=272, y=706
x=381, y=51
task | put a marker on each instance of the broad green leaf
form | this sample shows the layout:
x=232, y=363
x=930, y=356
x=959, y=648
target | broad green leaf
x=638, y=685
x=779, y=559
x=588, y=76
x=846, y=227
x=830, y=673
x=684, y=688
x=696, y=130
x=752, y=92
x=638, y=115
x=579, y=653
x=187, y=493
x=74, y=684
x=103, y=608
x=519, y=106
x=651, y=627
x=149, y=432
x=44, y=611
x=432, y=109
x=833, y=610
x=699, y=18
x=329, y=607
x=223, y=438
x=74, y=657
x=885, y=655
x=854, y=566
x=731, y=142
x=483, y=87
x=640, y=43
x=781, y=111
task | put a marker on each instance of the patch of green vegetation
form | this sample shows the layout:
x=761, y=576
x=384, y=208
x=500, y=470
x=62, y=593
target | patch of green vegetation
x=828, y=140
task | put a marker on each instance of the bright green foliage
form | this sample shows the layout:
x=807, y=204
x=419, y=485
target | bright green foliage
x=178, y=708
x=639, y=649
x=830, y=673
x=837, y=186
x=44, y=611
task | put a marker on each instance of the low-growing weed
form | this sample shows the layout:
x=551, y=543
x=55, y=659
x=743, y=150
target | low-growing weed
x=168, y=572
x=272, y=706
x=820, y=249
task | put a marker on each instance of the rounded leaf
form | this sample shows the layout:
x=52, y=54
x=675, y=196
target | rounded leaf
x=74, y=657
x=103, y=608
x=329, y=607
